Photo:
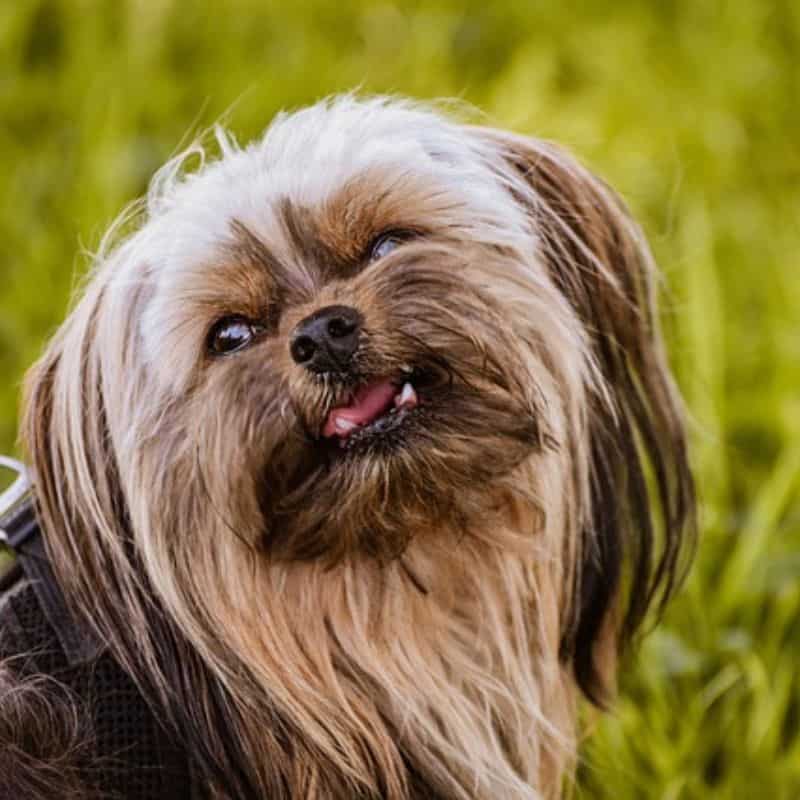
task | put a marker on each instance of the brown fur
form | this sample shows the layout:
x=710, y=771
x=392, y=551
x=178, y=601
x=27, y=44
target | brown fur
x=411, y=621
x=44, y=741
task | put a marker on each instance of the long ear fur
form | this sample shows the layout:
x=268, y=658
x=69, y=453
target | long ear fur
x=84, y=517
x=640, y=530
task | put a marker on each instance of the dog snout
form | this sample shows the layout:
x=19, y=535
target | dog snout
x=327, y=339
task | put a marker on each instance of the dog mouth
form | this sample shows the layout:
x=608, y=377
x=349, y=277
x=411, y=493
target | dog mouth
x=374, y=411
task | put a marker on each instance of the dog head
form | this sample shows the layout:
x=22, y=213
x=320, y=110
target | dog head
x=372, y=327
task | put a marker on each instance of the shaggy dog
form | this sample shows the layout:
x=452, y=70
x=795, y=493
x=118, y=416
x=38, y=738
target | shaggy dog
x=360, y=455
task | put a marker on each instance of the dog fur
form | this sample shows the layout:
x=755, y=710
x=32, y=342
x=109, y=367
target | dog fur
x=415, y=616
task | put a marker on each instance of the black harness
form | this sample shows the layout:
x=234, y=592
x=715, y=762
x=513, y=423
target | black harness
x=130, y=755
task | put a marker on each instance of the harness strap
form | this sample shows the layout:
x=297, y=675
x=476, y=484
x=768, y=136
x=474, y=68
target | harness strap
x=133, y=755
x=20, y=531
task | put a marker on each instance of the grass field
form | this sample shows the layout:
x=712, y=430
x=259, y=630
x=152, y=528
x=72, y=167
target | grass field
x=689, y=107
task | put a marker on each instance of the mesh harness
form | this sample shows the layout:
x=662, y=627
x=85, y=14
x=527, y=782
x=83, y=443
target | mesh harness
x=130, y=755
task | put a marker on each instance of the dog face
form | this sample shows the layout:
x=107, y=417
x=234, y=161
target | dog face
x=401, y=260
x=374, y=337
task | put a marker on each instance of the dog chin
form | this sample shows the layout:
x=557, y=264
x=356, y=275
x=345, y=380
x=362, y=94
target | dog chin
x=393, y=458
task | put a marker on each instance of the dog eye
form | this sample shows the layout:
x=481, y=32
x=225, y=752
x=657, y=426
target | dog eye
x=387, y=243
x=231, y=334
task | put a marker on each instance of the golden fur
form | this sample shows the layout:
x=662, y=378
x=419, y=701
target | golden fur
x=413, y=619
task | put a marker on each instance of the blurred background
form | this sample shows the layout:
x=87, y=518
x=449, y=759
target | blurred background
x=688, y=107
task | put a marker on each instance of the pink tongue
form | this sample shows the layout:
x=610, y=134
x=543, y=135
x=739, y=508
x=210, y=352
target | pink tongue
x=368, y=404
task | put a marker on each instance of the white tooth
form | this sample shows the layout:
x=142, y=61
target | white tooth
x=408, y=396
x=345, y=425
x=406, y=368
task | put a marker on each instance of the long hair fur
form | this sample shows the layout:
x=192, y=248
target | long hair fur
x=409, y=622
x=44, y=740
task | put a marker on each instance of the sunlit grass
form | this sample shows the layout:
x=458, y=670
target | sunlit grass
x=688, y=107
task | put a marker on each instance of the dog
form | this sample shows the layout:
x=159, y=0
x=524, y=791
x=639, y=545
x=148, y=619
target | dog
x=360, y=456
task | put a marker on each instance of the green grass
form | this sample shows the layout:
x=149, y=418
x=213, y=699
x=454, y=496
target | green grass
x=689, y=107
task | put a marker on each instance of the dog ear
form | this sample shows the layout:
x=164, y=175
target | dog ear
x=72, y=396
x=76, y=486
x=639, y=530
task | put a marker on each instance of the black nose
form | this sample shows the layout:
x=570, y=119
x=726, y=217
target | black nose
x=327, y=339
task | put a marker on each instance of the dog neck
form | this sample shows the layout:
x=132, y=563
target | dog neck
x=434, y=675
